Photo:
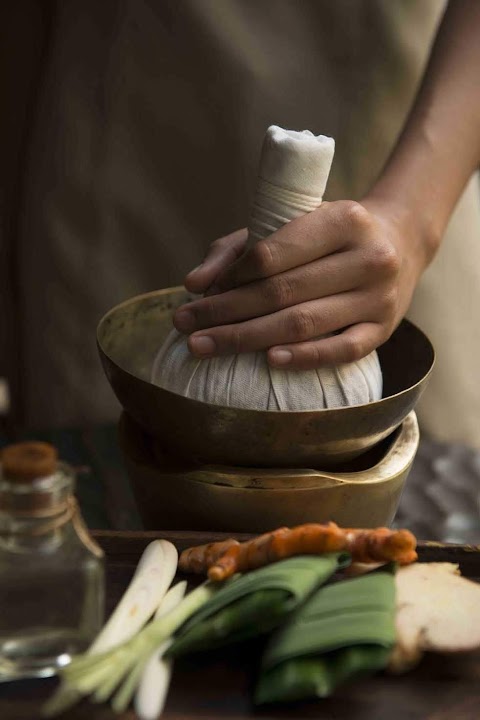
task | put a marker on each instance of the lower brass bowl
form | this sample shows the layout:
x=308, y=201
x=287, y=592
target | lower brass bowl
x=172, y=494
x=129, y=336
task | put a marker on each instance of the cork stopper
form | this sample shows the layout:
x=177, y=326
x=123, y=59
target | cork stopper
x=28, y=461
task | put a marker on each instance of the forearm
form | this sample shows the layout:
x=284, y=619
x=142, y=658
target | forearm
x=439, y=148
x=331, y=286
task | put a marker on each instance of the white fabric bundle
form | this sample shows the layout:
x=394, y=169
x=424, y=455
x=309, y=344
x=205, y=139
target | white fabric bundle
x=293, y=173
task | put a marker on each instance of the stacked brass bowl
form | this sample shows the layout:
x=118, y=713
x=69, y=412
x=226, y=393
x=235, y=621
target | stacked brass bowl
x=200, y=466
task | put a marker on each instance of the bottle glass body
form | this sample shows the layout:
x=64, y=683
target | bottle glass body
x=51, y=578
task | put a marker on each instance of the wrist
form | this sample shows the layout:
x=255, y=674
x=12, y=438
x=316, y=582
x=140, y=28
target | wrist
x=416, y=231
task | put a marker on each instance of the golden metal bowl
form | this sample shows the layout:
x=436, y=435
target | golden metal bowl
x=129, y=337
x=172, y=494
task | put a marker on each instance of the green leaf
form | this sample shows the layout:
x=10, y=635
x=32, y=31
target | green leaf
x=342, y=630
x=255, y=603
x=319, y=676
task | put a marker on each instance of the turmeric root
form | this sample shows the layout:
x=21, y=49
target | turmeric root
x=381, y=545
x=222, y=560
x=199, y=558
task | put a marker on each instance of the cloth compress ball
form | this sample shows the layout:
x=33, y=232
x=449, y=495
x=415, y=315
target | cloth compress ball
x=293, y=173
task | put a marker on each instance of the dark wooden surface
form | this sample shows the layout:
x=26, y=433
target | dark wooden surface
x=441, y=688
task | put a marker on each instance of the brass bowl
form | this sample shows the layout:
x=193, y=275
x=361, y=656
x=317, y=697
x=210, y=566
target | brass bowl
x=129, y=336
x=172, y=494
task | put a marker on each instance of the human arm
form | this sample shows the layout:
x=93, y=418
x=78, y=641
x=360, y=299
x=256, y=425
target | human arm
x=352, y=265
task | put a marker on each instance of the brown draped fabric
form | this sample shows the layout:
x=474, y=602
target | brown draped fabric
x=144, y=147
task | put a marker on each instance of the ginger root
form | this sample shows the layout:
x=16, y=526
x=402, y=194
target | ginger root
x=437, y=610
x=222, y=560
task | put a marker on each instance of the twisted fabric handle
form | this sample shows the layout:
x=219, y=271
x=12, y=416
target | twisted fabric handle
x=274, y=206
x=293, y=173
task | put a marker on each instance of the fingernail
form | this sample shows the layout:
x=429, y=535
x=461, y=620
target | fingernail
x=184, y=321
x=281, y=357
x=202, y=345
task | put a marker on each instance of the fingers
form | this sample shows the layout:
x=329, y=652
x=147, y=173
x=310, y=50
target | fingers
x=296, y=324
x=318, y=234
x=221, y=254
x=332, y=275
x=350, y=345
x=339, y=270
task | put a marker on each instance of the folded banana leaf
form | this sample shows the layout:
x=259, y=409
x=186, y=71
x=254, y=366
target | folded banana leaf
x=343, y=630
x=255, y=603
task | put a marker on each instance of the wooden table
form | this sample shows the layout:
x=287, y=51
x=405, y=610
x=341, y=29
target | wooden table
x=219, y=687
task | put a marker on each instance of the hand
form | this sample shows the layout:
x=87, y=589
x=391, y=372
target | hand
x=346, y=268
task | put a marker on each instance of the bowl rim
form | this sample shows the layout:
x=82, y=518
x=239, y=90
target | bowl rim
x=300, y=413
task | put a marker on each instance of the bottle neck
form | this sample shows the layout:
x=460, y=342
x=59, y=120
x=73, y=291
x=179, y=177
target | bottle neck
x=36, y=514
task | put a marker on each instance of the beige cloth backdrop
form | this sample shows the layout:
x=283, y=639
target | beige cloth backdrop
x=145, y=147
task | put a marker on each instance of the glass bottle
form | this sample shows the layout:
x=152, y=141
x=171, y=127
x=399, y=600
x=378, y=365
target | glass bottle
x=51, y=572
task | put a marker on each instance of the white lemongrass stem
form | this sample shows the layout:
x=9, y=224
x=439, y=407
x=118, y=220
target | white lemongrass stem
x=156, y=634
x=88, y=670
x=87, y=684
x=158, y=631
x=105, y=690
x=126, y=692
x=154, y=683
x=73, y=688
x=153, y=576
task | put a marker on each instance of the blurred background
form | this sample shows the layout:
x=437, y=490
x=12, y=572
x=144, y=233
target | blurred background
x=129, y=136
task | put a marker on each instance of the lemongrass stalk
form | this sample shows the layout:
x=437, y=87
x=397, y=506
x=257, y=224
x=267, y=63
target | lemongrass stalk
x=153, y=687
x=92, y=672
x=156, y=634
x=114, y=669
x=154, y=573
x=118, y=668
x=158, y=631
x=154, y=683
x=76, y=686
x=88, y=674
x=88, y=683
x=91, y=665
x=117, y=671
x=127, y=690
x=110, y=685
x=88, y=671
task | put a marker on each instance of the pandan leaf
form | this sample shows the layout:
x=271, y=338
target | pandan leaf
x=254, y=614
x=319, y=676
x=255, y=603
x=342, y=630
